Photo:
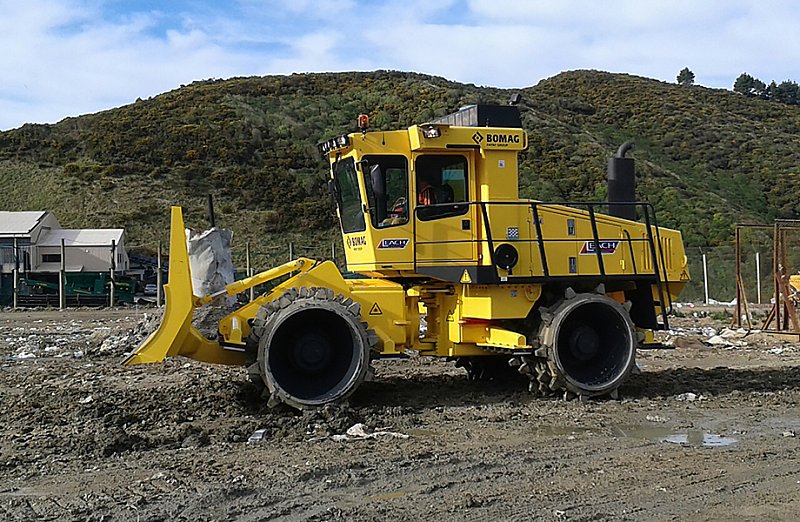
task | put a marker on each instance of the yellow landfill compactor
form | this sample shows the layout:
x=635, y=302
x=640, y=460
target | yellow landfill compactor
x=438, y=237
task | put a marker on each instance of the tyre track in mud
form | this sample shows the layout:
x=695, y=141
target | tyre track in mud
x=167, y=442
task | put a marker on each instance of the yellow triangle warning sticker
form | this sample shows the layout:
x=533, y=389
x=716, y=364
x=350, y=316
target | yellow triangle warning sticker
x=465, y=278
x=375, y=310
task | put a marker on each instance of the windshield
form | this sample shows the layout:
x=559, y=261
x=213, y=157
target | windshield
x=351, y=210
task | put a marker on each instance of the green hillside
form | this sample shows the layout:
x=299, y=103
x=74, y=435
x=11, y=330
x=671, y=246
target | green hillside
x=705, y=158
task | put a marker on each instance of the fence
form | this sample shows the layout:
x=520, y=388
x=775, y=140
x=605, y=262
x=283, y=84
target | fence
x=262, y=258
x=46, y=281
x=712, y=269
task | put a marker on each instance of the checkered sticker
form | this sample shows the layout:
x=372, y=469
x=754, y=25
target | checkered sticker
x=512, y=233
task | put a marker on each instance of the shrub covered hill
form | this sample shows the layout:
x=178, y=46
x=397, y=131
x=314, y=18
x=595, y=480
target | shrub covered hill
x=706, y=158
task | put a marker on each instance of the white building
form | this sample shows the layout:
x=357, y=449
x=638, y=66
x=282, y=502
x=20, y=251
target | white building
x=86, y=250
x=39, y=237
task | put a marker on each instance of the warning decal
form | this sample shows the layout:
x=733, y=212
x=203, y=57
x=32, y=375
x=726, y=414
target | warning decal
x=375, y=310
x=465, y=278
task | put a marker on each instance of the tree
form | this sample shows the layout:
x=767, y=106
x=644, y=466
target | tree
x=743, y=84
x=772, y=90
x=759, y=88
x=685, y=77
x=749, y=86
x=787, y=92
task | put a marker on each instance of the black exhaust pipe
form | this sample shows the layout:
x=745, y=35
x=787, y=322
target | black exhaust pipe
x=622, y=183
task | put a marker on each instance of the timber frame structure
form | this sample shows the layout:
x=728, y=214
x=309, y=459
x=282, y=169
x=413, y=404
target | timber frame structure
x=782, y=318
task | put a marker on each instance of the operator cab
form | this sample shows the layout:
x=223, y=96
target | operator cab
x=407, y=199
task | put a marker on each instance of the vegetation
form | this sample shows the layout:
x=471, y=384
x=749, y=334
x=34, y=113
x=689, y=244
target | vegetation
x=787, y=91
x=706, y=158
x=685, y=77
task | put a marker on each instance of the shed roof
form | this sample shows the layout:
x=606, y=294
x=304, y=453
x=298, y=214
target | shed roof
x=82, y=237
x=19, y=223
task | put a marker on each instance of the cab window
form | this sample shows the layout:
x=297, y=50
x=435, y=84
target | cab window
x=386, y=180
x=441, y=186
x=347, y=196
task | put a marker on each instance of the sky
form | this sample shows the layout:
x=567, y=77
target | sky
x=64, y=58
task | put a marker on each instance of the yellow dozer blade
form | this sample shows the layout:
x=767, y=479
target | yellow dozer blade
x=175, y=334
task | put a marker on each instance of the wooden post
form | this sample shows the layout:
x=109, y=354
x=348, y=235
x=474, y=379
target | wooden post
x=112, y=289
x=15, y=275
x=739, y=284
x=62, y=278
x=776, y=261
x=212, y=222
x=248, y=268
x=158, y=277
x=758, y=277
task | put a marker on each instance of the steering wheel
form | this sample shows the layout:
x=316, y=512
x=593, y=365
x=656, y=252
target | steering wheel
x=399, y=206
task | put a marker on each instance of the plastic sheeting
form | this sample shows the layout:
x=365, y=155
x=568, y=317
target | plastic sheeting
x=210, y=261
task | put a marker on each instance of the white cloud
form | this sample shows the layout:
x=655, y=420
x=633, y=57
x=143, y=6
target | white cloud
x=311, y=52
x=67, y=57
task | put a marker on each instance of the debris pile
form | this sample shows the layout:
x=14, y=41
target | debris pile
x=724, y=338
x=127, y=341
x=78, y=337
x=728, y=338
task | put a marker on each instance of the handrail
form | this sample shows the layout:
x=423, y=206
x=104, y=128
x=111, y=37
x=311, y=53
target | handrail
x=630, y=250
x=654, y=244
x=663, y=263
x=656, y=268
x=542, y=252
x=598, y=251
x=488, y=229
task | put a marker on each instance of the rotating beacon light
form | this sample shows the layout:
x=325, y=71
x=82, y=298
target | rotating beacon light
x=363, y=124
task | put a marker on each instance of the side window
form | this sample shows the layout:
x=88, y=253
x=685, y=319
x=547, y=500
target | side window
x=441, y=186
x=348, y=197
x=386, y=179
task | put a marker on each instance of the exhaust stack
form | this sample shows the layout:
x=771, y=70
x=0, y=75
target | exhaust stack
x=622, y=184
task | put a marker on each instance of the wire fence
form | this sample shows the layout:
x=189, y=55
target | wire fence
x=719, y=276
x=712, y=269
x=264, y=258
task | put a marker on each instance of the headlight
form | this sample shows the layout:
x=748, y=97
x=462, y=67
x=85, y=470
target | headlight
x=431, y=132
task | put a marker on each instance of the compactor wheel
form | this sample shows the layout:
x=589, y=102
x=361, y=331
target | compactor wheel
x=313, y=348
x=587, y=347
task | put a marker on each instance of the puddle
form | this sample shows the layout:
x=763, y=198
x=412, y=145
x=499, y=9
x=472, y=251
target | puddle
x=690, y=438
x=700, y=439
x=693, y=438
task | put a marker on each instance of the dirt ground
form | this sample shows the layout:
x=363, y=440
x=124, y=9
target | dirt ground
x=702, y=433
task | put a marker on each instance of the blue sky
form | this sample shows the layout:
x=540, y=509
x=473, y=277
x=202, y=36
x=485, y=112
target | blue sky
x=67, y=57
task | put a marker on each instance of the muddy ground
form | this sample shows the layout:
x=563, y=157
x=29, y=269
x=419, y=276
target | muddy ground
x=702, y=433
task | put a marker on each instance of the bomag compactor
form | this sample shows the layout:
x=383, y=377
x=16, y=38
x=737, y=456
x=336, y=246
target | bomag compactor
x=436, y=233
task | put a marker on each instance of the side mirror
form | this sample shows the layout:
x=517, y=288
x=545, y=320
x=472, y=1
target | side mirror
x=378, y=182
x=332, y=191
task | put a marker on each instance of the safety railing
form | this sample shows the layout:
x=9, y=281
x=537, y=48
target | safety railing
x=655, y=257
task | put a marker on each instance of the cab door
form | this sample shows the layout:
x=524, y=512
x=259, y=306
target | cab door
x=444, y=219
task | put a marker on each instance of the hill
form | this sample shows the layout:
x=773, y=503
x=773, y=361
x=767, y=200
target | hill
x=706, y=158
